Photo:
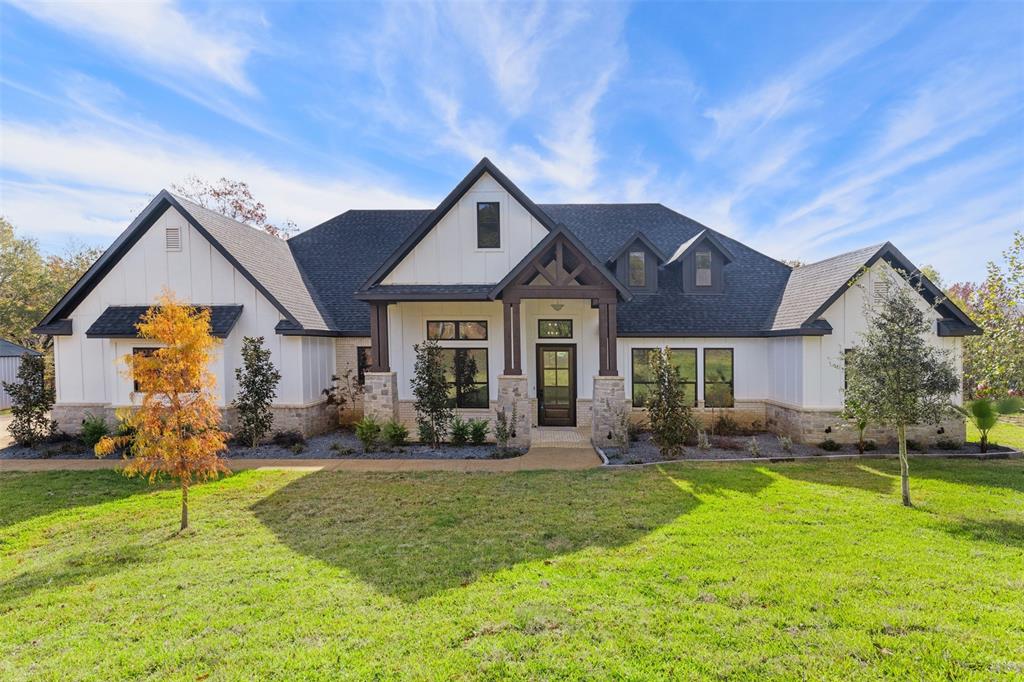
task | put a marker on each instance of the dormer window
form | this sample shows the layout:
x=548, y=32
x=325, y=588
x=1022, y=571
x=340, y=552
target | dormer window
x=703, y=268
x=488, y=225
x=637, y=269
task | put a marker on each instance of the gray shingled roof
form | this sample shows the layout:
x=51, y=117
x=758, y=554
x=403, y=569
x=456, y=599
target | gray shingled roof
x=811, y=285
x=9, y=349
x=268, y=259
x=118, y=321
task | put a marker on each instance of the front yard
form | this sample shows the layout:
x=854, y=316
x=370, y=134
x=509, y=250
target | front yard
x=806, y=570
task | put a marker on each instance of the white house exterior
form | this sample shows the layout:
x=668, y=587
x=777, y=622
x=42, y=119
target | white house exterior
x=554, y=306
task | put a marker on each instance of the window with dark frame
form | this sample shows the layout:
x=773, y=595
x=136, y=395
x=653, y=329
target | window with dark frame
x=637, y=269
x=452, y=330
x=683, y=359
x=554, y=329
x=466, y=374
x=488, y=225
x=703, y=262
x=718, y=377
x=146, y=352
x=364, y=360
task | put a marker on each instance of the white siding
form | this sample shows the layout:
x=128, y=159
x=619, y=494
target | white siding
x=785, y=369
x=90, y=371
x=8, y=372
x=448, y=254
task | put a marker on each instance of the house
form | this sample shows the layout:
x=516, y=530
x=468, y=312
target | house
x=10, y=362
x=548, y=308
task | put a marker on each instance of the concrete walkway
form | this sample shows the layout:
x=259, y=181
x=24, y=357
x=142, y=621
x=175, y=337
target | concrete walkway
x=537, y=458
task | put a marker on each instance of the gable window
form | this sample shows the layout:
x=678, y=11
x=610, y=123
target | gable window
x=364, y=360
x=684, y=360
x=554, y=329
x=144, y=352
x=718, y=373
x=703, y=263
x=457, y=331
x=488, y=225
x=466, y=374
x=637, y=269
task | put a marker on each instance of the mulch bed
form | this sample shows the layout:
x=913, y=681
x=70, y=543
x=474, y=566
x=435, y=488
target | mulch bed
x=644, y=451
x=340, y=444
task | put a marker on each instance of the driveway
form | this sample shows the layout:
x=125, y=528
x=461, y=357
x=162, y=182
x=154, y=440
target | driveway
x=5, y=436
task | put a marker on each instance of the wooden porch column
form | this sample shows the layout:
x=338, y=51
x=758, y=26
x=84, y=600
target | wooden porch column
x=513, y=340
x=607, y=336
x=379, y=337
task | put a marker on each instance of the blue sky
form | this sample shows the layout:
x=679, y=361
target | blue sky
x=804, y=130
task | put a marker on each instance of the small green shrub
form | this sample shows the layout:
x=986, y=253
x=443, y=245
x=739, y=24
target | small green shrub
x=478, y=429
x=870, y=445
x=915, y=445
x=368, y=431
x=298, y=448
x=948, y=444
x=32, y=398
x=395, y=433
x=288, y=439
x=829, y=445
x=93, y=429
x=341, y=450
x=703, y=442
x=459, y=432
x=505, y=428
x=786, y=443
x=726, y=426
x=753, y=448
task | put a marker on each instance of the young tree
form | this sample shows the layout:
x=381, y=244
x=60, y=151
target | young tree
x=257, y=386
x=671, y=418
x=234, y=199
x=176, y=430
x=31, y=401
x=896, y=377
x=430, y=388
x=984, y=413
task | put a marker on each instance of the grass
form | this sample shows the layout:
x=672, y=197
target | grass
x=1004, y=433
x=800, y=570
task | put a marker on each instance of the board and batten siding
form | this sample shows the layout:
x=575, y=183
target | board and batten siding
x=89, y=371
x=9, y=373
x=448, y=253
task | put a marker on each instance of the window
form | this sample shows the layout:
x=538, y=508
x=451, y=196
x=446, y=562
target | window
x=364, y=360
x=683, y=359
x=466, y=373
x=718, y=388
x=488, y=225
x=457, y=331
x=554, y=329
x=703, y=262
x=146, y=352
x=172, y=238
x=637, y=269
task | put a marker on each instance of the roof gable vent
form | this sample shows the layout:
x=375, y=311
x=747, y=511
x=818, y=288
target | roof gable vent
x=172, y=238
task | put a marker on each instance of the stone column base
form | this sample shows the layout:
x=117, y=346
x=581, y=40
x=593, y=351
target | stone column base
x=607, y=408
x=380, y=396
x=513, y=392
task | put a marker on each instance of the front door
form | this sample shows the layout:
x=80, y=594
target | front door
x=556, y=385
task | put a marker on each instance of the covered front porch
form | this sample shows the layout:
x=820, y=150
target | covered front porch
x=542, y=341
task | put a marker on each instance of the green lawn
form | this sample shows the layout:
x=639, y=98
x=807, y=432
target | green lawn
x=686, y=571
x=1004, y=433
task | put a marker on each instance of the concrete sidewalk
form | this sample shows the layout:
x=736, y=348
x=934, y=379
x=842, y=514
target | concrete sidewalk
x=539, y=458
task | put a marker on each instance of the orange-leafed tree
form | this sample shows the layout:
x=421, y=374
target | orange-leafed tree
x=176, y=429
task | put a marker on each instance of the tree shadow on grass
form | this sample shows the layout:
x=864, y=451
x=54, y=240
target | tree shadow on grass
x=997, y=531
x=24, y=496
x=74, y=569
x=878, y=476
x=412, y=536
x=995, y=473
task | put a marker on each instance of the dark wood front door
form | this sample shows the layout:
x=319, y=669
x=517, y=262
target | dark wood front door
x=556, y=385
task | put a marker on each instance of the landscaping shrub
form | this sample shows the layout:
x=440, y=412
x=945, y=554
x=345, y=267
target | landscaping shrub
x=478, y=429
x=504, y=429
x=786, y=443
x=726, y=443
x=31, y=401
x=430, y=388
x=753, y=448
x=395, y=433
x=93, y=429
x=298, y=448
x=368, y=431
x=459, y=432
x=288, y=439
x=829, y=445
x=725, y=426
x=672, y=421
x=341, y=449
x=948, y=444
x=870, y=446
x=916, y=445
x=257, y=385
x=703, y=442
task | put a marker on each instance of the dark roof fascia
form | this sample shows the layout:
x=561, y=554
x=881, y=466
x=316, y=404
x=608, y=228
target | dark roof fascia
x=149, y=215
x=314, y=332
x=55, y=328
x=956, y=328
x=424, y=228
x=642, y=238
x=542, y=245
x=802, y=331
x=373, y=295
x=895, y=258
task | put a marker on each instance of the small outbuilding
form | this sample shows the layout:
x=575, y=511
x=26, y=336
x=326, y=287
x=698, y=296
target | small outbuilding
x=10, y=363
